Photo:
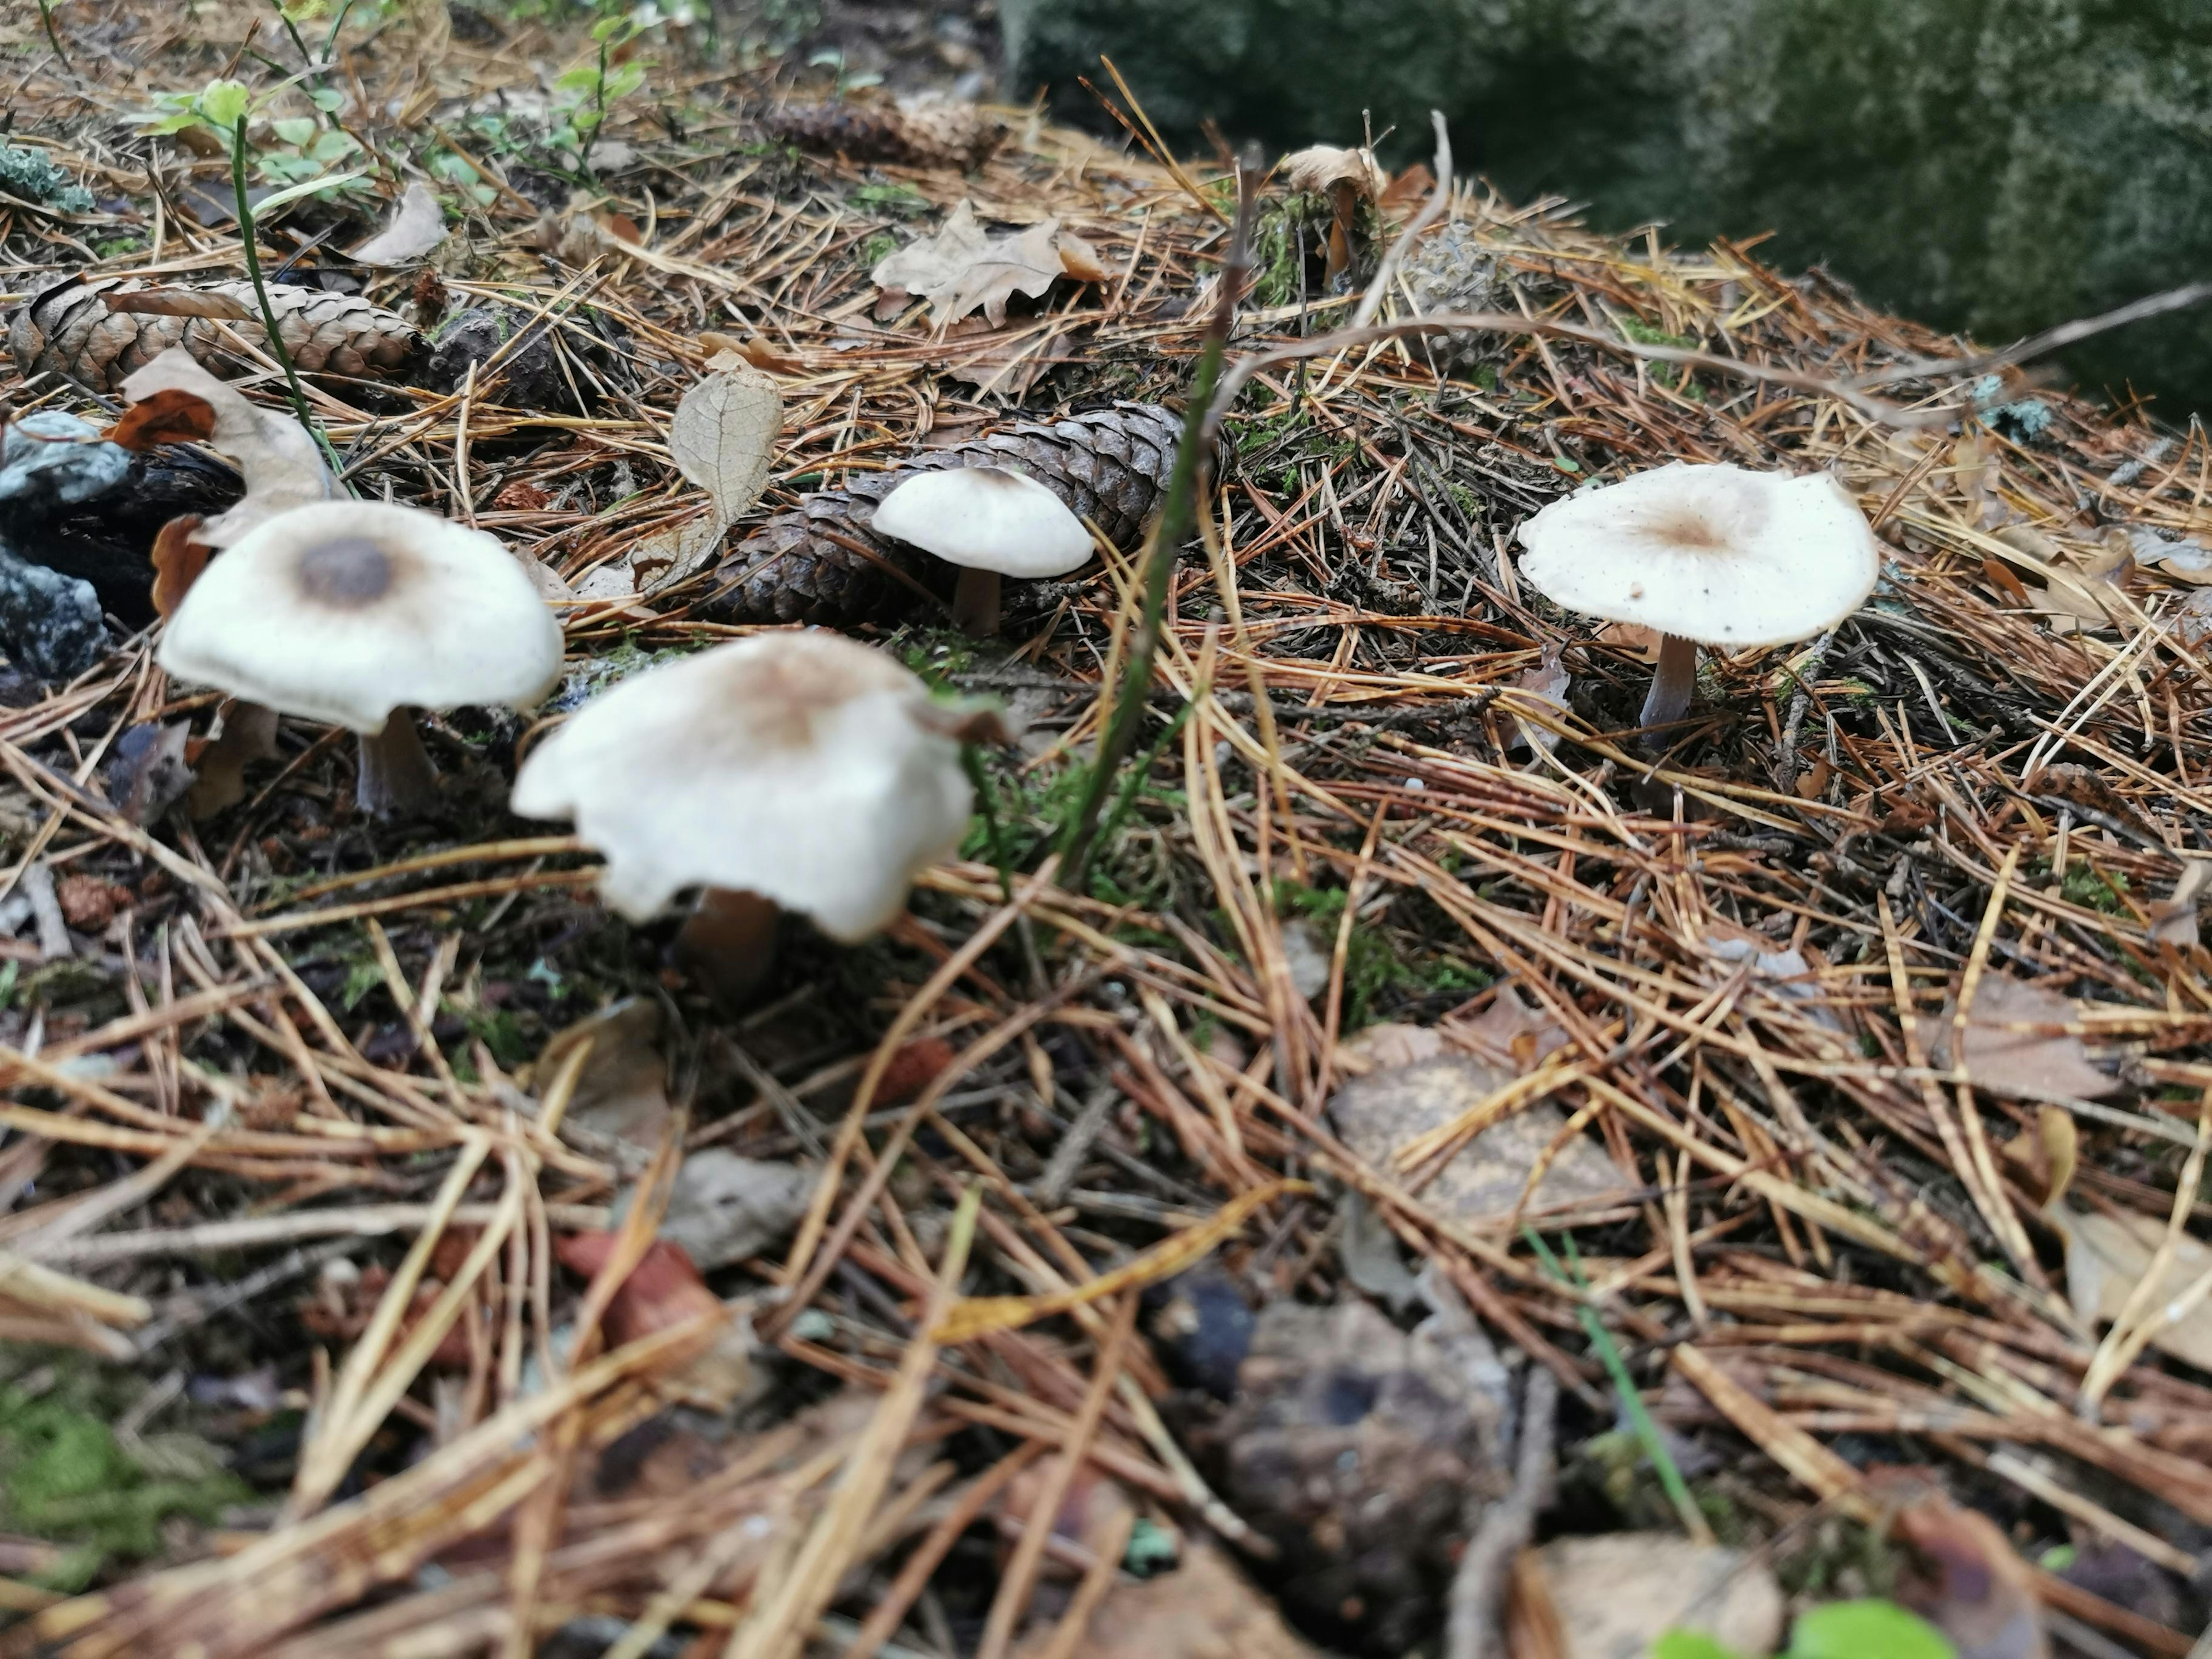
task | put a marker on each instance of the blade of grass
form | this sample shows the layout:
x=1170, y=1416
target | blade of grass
x=1080, y=839
x=1623, y=1386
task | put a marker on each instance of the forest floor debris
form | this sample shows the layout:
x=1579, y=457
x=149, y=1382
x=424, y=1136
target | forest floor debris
x=1063, y=1235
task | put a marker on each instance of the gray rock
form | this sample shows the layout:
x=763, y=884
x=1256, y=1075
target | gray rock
x=57, y=458
x=50, y=623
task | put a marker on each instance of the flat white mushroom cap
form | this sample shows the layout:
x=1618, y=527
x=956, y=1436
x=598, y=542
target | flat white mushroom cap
x=1719, y=555
x=985, y=518
x=344, y=611
x=802, y=766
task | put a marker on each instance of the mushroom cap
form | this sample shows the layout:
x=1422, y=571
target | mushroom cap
x=1720, y=554
x=344, y=611
x=804, y=767
x=985, y=518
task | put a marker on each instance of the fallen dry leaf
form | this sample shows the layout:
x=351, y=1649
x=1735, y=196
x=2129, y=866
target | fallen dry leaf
x=2173, y=919
x=723, y=440
x=1205, y=1609
x=173, y=416
x=755, y=350
x=2107, y=1255
x=1386, y=1044
x=283, y=466
x=1618, y=1594
x=664, y=1290
x=417, y=225
x=912, y=1068
x=177, y=558
x=963, y=269
x=621, y=1092
x=1632, y=639
x=1546, y=682
x=248, y=734
x=345, y=1300
x=2020, y=1064
x=1512, y=1032
x=180, y=302
x=1381, y=1114
x=1966, y=1580
x=724, y=1209
x=2183, y=557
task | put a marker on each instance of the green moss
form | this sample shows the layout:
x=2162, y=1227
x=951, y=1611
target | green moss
x=1373, y=962
x=898, y=201
x=65, y=1479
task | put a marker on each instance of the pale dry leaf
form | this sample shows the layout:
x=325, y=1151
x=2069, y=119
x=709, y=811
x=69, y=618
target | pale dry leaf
x=621, y=1093
x=179, y=302
x=2106, y=1255
x=2183, y=557
x=1079, y=260
x=724, y=1209
x=1619, y=1593
x=248, y=734
x=723, y=440
x=2173, y=919
x=1547, y=682
x=1381, y=1114
x=1386, y=1043
x=417, y=225
x=279, y=458
x=1203, y=1609
x=1632, y=639
x=964, y=267
x=2020, y=1064
x=2192, y=617
x=1512, y=1032
x=1976, y=474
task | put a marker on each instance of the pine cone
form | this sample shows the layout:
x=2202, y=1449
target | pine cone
x=819, y=562
x=69, y=329
x=929, y=135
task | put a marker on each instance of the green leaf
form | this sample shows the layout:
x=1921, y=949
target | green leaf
x=173, y=122
x=294, y=128
x=625, y=79
x=334, y=147
x=1866, y=1630
x=327, y=99
x=222, y=103
x=1690, y=1644
x=582, y=78
x=271, y=203
x=301, y=11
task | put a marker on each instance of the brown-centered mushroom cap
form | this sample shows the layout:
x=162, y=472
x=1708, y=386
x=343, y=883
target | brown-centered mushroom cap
x=344, y=611
x=806, y=768
x=1719, y=555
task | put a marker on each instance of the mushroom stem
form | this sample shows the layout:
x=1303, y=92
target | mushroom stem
x=396, y=774
x=728, y=942
x=975, y=604
x=1673, y=681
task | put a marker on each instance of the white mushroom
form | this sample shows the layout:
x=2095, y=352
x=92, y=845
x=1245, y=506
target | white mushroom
x=991, y=523
x=805, y=768
x=1706, y=555
x=354, y=611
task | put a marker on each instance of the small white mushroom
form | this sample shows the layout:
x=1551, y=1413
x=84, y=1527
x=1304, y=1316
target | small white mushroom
x=353, y=612
x=1706, y=555
x=804, y=768
x=990, y=522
